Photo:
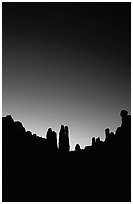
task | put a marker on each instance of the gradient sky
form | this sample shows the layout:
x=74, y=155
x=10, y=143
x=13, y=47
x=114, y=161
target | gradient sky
x=66, y=63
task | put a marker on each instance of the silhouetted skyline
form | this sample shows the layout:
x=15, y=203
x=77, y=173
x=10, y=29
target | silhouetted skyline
x=66, y=63
x=37, y=169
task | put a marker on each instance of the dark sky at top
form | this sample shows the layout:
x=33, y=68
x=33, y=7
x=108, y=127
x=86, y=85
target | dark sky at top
x=66, y=63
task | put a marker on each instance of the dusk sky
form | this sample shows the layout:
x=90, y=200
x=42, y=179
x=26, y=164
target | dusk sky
x=66, y=64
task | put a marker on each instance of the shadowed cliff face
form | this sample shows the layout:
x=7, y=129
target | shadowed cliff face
x=38, y=169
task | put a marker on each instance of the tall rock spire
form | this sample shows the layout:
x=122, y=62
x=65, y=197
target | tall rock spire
x=64, y=139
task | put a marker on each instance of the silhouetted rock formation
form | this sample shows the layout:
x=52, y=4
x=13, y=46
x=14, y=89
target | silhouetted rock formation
x=51, y=140
x=107, y=133
x=64, y=139
x=35, y=169
x=77, y=148
x=93, y=141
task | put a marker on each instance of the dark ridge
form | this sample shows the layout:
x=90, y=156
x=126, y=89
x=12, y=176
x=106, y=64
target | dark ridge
x=39, y=169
